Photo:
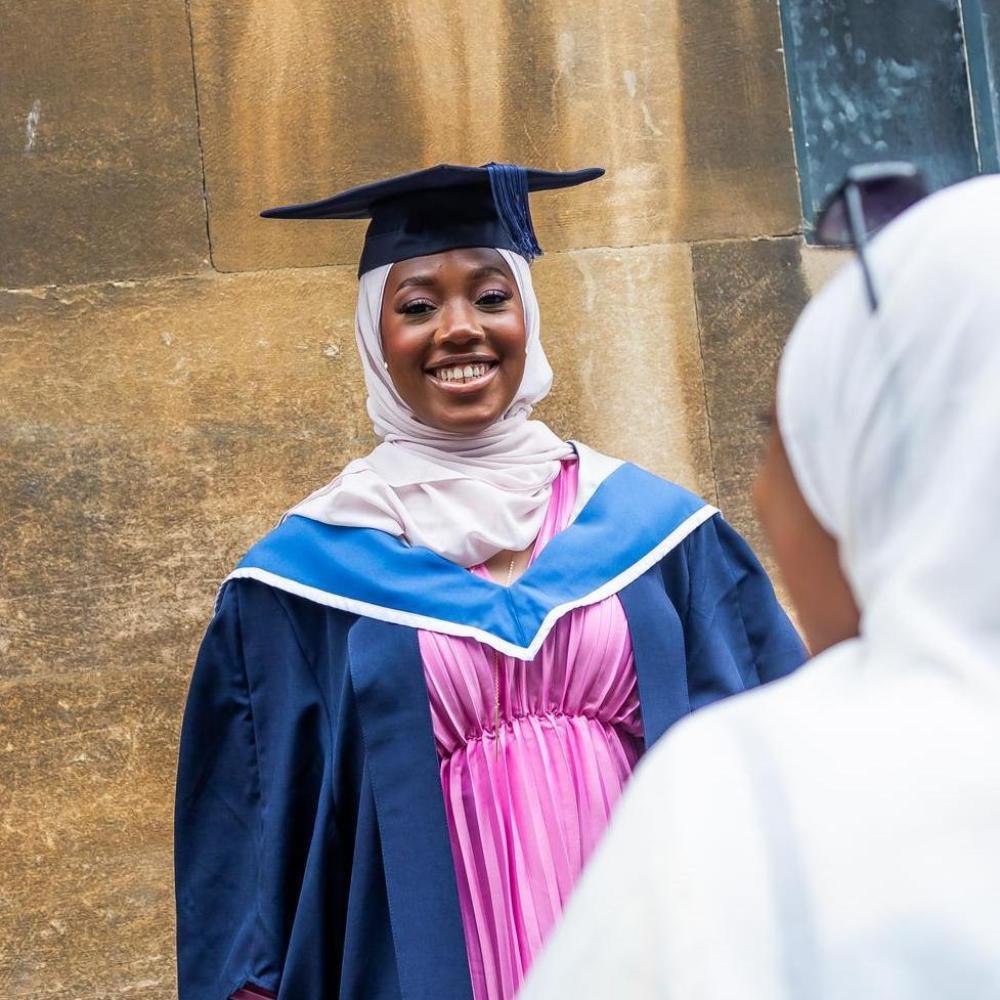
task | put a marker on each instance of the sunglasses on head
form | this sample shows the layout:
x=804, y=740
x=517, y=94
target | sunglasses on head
x=870, y=196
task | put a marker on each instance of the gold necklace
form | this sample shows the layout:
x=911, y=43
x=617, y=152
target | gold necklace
x=496, y=675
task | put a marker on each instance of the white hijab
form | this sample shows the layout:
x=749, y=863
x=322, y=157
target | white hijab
x=836, y=835
x=464, y=497
x=891, y=422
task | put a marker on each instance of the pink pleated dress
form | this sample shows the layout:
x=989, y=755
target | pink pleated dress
x=527, y=803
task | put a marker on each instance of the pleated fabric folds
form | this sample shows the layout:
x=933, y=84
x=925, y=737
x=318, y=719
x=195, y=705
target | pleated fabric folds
x=527, y=801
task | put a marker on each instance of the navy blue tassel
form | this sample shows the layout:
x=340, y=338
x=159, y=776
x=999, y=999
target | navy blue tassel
x=509, y=184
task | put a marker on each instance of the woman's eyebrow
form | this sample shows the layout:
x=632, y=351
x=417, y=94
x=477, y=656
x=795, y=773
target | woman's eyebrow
x=418, y=280
x=486, y=271
x=427, y=280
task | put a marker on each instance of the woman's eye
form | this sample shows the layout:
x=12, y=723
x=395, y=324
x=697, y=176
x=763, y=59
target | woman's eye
x=493, y=298
x=417, y=307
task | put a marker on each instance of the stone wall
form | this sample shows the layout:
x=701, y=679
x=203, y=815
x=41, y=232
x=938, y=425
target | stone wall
x=176, y=372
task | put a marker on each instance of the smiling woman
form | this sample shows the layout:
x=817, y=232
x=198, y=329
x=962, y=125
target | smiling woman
x=422, y=694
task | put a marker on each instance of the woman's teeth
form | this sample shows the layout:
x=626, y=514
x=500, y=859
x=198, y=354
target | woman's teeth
x=461, y=373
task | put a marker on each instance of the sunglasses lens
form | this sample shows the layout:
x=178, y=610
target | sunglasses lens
x=882, y=200
x=832, y=226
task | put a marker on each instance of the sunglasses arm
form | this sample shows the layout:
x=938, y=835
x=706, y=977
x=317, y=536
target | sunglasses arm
x=856, y=220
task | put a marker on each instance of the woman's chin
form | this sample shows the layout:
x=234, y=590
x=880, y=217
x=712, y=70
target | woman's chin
x=469, y=420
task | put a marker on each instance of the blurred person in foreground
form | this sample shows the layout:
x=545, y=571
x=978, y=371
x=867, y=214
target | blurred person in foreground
x=837, y=834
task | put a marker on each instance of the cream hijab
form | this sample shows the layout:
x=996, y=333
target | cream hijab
x=836, y=835
x=892, y=427
x=465, y=498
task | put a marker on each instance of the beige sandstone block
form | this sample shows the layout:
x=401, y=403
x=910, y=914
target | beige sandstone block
x=152, y=433
x=820, y=264
x=621, y=331
x=749, y=295
x=99, y=157
x=86, y=898
x=684, y=103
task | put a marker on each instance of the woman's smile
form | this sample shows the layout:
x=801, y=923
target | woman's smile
x=463, y=374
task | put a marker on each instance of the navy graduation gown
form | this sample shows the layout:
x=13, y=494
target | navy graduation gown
x=312, y=856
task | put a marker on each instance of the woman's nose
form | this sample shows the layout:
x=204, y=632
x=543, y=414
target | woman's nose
x=459, y=324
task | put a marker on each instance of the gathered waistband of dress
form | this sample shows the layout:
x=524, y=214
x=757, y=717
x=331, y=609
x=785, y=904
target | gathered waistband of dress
x=550, y=716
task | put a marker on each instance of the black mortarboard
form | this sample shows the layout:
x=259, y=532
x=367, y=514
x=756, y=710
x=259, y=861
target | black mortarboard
x=442, y=208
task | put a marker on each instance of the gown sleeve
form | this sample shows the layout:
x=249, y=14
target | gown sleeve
x=233, y=897
x=736, y=633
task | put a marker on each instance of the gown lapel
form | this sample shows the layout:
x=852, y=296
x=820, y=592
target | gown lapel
x=388, y=678
x=658, y=647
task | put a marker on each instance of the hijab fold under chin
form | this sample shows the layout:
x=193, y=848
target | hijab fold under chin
x=465, y=497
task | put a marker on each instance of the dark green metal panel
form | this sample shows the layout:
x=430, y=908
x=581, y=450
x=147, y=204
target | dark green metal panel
x=981, y=19
x=877, y=80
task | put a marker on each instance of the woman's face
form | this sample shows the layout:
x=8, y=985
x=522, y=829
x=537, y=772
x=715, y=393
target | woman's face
x=454, y=339
x=807, y=555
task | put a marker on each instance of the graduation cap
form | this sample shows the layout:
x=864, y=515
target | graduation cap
x=442, y=208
